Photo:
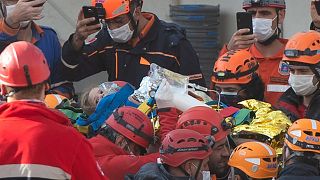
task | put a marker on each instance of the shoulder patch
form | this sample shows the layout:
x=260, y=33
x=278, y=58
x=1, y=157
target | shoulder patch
x=283, y=68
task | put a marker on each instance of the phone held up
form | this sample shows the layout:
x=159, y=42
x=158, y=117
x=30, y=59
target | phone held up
x=244, y=21
x=97, y=11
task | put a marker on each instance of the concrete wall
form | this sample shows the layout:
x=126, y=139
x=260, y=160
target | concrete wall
x=62, y=14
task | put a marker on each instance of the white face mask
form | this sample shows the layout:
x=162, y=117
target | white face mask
x=206, y=175
x=122, y=34
x=263, y=28
x=10, y=9
x=303, y=84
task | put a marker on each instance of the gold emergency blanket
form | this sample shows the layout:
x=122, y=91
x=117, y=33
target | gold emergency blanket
x=267, y=122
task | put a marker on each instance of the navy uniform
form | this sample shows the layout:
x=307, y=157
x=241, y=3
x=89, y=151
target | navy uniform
x=159, y=42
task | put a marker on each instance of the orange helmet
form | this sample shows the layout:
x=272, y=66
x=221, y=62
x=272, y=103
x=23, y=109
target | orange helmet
x=205, y=121
x=53, y=100
x=181, y=145
x=256, y=159
x=22, y=65
x=235, y=67
x=133, y=124
x=304, y=136
x=303, y=47
x=115, y=8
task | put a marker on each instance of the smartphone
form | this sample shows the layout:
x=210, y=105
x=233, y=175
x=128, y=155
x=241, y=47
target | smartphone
x=317, y=5
x=38, y=5
x=89, y=12
x=244, y=20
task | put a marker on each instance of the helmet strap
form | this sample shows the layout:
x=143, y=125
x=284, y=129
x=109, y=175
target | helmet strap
x=198, y=169
x=184, y=171
x=134, y=23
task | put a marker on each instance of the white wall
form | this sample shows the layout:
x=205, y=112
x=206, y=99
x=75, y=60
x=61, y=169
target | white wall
x=62, y=14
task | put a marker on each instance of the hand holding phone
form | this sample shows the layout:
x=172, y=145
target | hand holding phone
x=242, y=38
x=89, y=12
x=244, y=21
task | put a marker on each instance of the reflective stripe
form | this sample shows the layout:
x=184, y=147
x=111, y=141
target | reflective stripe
x=277, y=88
x=68, y=65
x=313, y=124
x=267, y=148
x=32, y=170
x=57, y=96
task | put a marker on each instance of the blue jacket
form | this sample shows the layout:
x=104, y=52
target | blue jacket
x=46, y=39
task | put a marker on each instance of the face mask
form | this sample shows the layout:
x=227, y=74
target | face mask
x=231, y=98
x=303, y=84
x=206, y=175
x=24, y=24
x=122, y=34
x=263, y=28
x=10, y=8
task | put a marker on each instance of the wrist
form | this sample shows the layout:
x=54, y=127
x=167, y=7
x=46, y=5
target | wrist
x=11, y=23
x=77, y=43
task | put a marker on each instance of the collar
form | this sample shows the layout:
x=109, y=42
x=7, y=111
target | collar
x=257, y=54
x=145, y=31
x=37, y=32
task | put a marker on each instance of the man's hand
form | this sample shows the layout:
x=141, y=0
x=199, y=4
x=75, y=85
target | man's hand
x=314, y=14
x=241, y=41
x=83, y=30
x=25, y=10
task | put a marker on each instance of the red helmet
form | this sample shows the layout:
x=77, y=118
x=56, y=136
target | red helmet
x=23, y=64
x=181, y=145
x=205, y=121
x=133, y=124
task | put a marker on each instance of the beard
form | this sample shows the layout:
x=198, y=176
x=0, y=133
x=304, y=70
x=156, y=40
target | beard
x=222, y=171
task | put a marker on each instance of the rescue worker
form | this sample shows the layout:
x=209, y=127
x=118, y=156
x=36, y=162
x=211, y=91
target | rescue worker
x=301, y=151
x=122, y=142
x=184, y=154
x=37, y=142
x=210, y=123
x=17, y=24
x=265, y=45
x=127, y=45
x=315, y=25
x=257, y=160
x=302, y=55
x=236, y=77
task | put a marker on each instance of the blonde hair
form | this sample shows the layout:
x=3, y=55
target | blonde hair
x=87, y=106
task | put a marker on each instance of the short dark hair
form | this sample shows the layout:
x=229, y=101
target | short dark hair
x=28, y=92
x=255, y=88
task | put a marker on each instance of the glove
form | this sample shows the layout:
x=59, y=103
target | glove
x=164, y=95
